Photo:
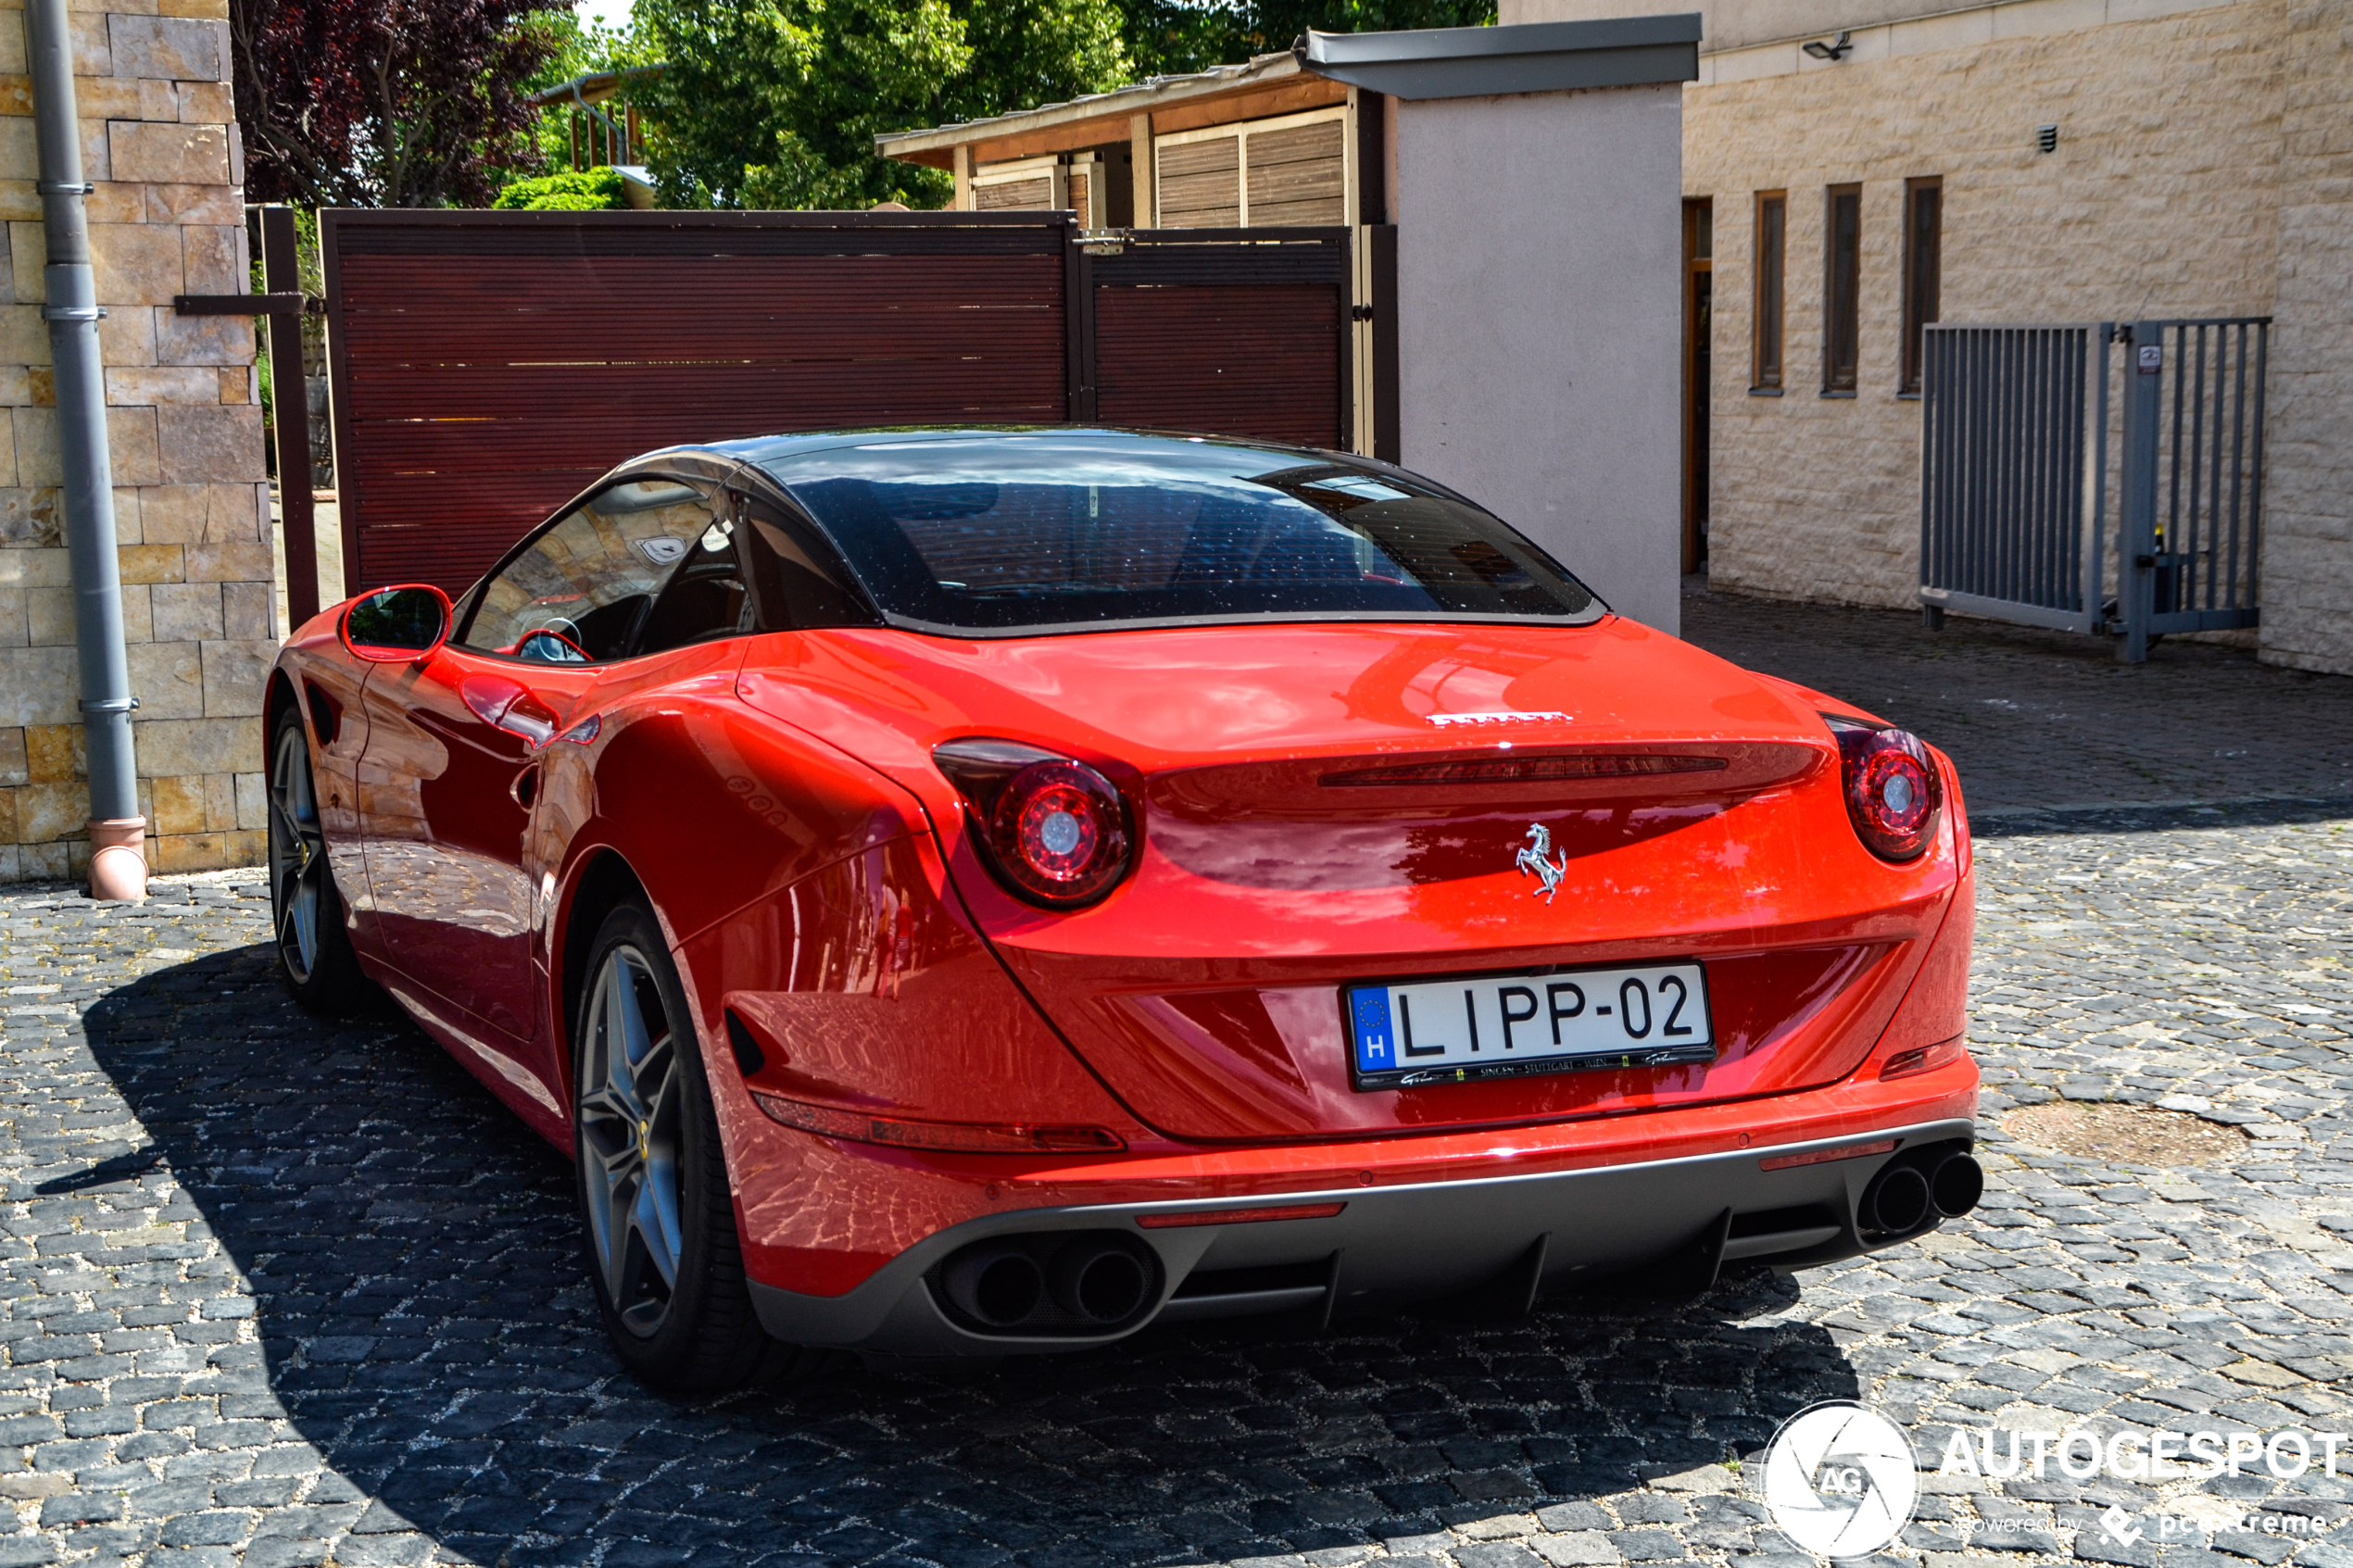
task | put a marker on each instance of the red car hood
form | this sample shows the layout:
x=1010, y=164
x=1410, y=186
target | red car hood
x=1205, y=989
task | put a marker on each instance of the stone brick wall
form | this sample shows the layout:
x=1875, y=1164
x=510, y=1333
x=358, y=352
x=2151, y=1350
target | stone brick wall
x=2307, y=573
x=159, y=140
x=2163, y=197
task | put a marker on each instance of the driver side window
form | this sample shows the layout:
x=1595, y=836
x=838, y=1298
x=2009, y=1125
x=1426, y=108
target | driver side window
x=582, y=591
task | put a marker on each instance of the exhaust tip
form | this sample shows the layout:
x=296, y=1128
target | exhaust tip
x=1056, y=1282
x=999, y=1285
x=1098, y=1282
x=1956, y=1186
x=1897, y=1200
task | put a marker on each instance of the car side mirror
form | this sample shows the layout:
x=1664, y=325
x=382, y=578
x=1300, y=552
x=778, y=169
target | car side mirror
x=402, y=625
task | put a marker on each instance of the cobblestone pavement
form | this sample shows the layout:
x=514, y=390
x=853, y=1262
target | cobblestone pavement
x=278, y=1292
x=2040, y=719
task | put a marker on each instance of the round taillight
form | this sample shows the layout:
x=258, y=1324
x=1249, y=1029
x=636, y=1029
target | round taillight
x=1892, y=789
x=1060, y=833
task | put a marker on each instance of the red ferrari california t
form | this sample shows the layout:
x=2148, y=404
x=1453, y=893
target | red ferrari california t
x=965, y=891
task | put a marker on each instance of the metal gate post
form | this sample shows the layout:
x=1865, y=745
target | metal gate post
x=2136, y=528
x=290, y=415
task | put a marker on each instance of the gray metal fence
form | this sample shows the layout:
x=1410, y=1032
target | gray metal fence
x=2192, y=477
x=2016, y=481
x=2013, y=443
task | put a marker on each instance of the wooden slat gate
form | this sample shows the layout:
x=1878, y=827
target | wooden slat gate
x=486, y=367
x=1239, y=331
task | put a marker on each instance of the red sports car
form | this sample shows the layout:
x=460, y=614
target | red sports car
x=965, y=891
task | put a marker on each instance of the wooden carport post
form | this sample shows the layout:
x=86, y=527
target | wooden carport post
x=282, y=304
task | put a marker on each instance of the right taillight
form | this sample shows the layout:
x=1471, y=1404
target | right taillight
x=1889, y=781
x=1054, y=831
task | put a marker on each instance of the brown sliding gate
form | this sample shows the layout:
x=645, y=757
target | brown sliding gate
x=486, y=367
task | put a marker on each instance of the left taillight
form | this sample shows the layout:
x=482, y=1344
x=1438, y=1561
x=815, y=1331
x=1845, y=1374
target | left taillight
x=1054, y=831
x=1891, y=784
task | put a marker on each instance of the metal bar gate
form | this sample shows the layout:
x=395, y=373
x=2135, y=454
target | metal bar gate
x=2016, y=482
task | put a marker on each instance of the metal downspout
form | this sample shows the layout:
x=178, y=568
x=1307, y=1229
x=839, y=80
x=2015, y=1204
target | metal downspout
x=117, y=863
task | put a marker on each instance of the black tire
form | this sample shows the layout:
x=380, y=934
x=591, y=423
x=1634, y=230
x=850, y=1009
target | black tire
x=667, y=1267
x=315, y=960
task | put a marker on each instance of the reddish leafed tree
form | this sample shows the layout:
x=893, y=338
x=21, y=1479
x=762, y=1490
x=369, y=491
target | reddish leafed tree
x=383, y=103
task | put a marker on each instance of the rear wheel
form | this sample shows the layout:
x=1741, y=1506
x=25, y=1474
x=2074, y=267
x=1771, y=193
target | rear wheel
x=658, y=1216
x=314, y=948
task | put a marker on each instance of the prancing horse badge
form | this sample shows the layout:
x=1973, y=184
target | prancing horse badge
x=1535, y=859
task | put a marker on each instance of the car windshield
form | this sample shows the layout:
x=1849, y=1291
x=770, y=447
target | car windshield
x=1007, y=533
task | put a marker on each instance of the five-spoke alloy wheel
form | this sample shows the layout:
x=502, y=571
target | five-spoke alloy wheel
x=629, y=1116
x=314, y=950
x=657, y=1213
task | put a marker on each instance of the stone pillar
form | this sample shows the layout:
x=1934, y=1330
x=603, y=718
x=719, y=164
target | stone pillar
x=160, y=140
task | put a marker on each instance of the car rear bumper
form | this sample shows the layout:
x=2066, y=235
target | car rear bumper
x=1392, y=1245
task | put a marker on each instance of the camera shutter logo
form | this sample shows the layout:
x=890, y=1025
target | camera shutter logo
x=1840, y=1480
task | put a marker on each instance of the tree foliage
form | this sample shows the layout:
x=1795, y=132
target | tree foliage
x=576, y=48
x=776, y=102
x=382, y=103
x=588, y=190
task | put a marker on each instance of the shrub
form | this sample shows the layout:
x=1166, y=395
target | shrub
x=587, y=190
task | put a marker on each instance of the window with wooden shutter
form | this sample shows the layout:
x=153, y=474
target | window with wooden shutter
x=1200, y=183
x=1029, y=184
x=1037, y=193
x=1773, y=243
x=1298, y=175
x=1289, y=171
x=1923, y=267
x=1842, y=287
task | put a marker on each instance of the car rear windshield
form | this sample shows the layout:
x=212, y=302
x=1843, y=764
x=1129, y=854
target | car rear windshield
x=1009, y=533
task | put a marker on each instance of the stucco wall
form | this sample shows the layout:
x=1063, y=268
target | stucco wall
x=2162, y=198
x=2308, y=570
x=1537, y=327
x=158, y=139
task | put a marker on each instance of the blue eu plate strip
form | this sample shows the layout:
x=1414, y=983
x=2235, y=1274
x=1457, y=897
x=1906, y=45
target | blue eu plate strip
x=1375, y=1042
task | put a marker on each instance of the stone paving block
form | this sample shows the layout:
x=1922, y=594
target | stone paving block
x=400, y=1360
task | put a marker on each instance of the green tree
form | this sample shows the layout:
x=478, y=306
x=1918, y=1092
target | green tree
x=776, y=102
x=588, y=190
x=572, y=49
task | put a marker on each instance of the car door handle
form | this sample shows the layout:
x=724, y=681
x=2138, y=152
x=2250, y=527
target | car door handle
x=525, y=789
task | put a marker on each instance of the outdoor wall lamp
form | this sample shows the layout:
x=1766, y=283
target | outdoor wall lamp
x=1837, y=49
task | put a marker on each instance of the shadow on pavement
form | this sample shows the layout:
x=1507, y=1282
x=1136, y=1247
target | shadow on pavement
x=427, y=1327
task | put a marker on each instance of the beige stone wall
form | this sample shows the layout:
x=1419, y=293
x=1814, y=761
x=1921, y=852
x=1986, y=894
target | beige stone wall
x=2162, y=198
x=2308, y=569
x=158, y=139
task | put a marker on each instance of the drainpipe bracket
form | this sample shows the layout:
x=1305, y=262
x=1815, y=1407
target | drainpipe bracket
x=64, y=188
x=73, y=312
x=109, y=704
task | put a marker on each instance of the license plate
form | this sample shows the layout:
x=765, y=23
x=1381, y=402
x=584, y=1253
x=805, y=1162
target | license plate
x=1466, y=1027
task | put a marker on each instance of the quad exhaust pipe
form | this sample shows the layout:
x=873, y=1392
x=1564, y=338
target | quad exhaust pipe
x=1910, y=1193
x=1099, y=1284
x=997, y=1282
x=1081, y=1283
